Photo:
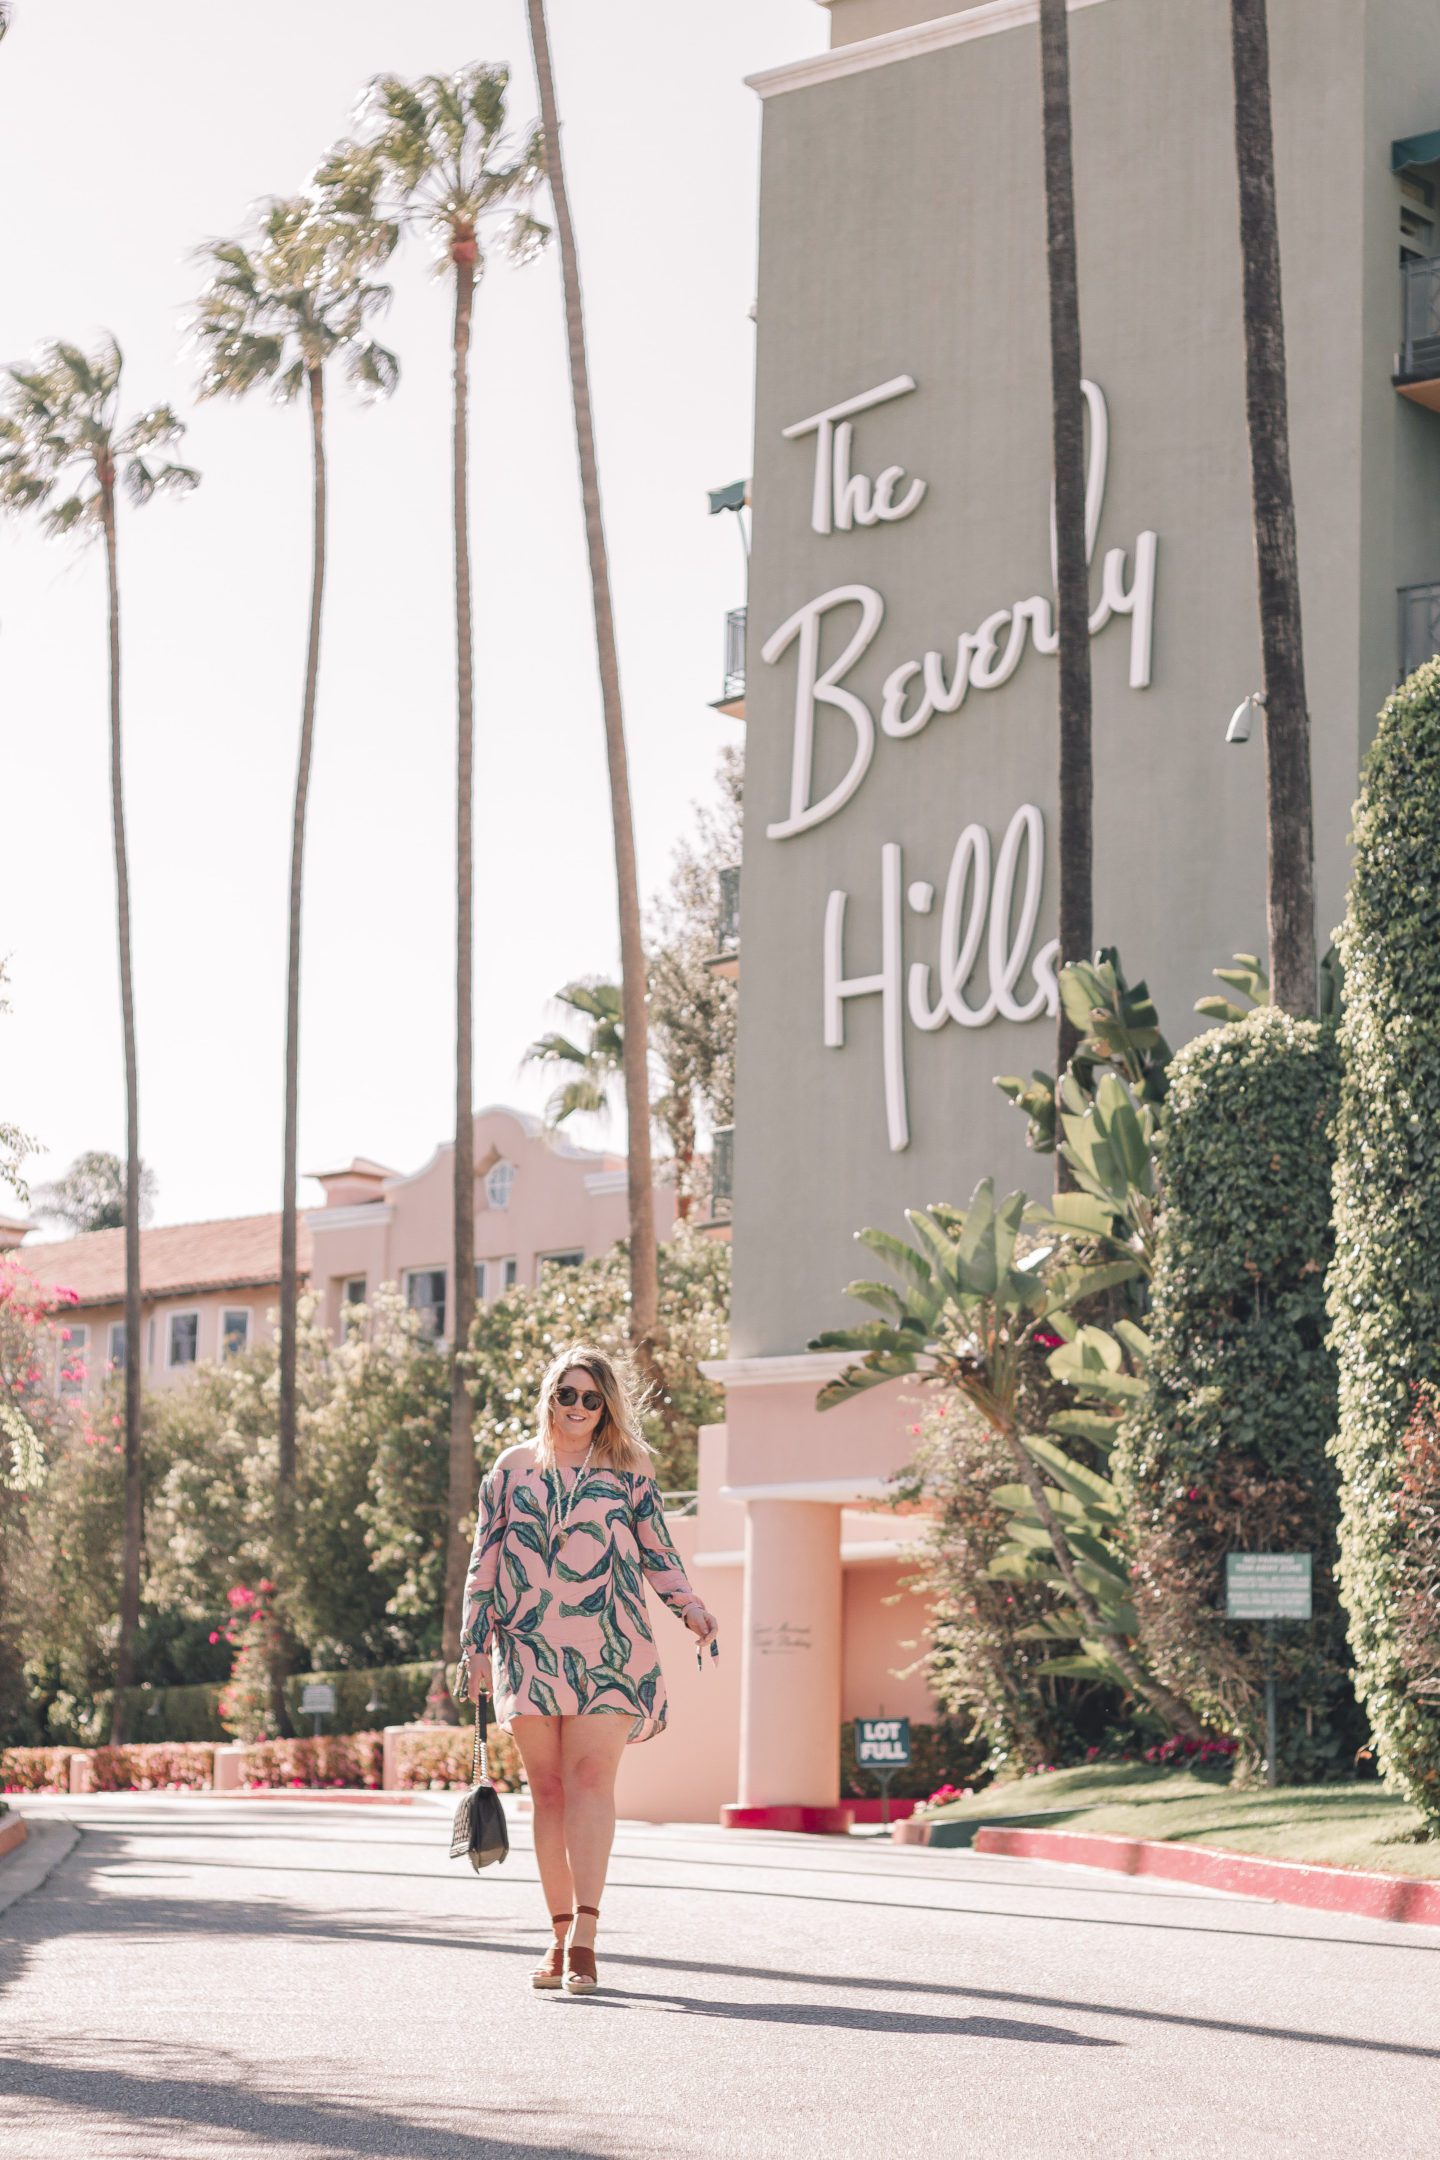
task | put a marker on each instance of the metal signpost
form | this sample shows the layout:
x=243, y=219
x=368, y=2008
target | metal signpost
x=317, y=1700
x=1269, y=1587
x=882, y=1745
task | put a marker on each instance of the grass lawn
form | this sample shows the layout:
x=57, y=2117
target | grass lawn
x=1330, y=1825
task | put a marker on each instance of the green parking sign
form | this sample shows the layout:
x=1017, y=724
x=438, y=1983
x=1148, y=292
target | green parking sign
x=1267, y=1586
x=882, y=1743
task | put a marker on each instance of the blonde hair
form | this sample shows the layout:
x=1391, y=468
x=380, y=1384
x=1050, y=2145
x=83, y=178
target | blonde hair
x=618, y=1441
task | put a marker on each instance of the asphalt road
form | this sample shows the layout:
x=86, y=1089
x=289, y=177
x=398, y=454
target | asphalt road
x=200, y=1977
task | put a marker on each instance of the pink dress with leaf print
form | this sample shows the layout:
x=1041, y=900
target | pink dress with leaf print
x=562, y=1609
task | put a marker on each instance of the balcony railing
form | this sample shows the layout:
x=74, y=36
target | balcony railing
x=1419, y=626
x=1418, y=360
x=734, y=656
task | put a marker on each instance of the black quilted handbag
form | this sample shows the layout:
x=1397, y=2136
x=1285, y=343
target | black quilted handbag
x=480, y=1835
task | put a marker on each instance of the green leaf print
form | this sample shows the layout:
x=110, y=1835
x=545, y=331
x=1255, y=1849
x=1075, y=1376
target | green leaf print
x=588, y=1607
x=519, y=1580
x=645, y=1690
x=577, y=1672
x=544, y=1699
x=616, y=1653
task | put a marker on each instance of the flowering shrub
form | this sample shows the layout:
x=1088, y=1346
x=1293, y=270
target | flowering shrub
x=35, y=1769
x=944, y=1794
x=244, y=1701
x=343, y=1759
x=157, y=1766
x=1179, y=1750
x=442, y=1759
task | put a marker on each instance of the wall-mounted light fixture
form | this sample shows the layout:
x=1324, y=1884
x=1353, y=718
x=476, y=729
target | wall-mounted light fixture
x=1243, y=717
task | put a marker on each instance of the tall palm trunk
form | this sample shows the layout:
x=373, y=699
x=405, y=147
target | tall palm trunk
x=462, y=1408
x=133, y=1521
x=644, y=1285
x=289, y=1218
x=1071, y=574
x=1289, y=827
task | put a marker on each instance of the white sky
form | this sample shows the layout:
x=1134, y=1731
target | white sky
x=128, y=136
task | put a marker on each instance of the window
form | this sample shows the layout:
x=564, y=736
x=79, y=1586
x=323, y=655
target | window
x=512, y=1273
x=72, y=1360
x=425, y=1294
x=117, y=1346
x=499, y=1183
x=493, y=1278
x=234, y=1330
x=1419, y=626
x=352, y=1295
x=550, y=1260
x=150, y=1350
x=184, y=1338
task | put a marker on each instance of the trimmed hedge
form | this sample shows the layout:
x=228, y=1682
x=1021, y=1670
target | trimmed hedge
x=1229, y=1450
x=1385, y=1283
x=400, y=1691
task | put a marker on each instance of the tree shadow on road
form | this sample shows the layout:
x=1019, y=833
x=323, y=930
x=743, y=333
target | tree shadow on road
x=173, y=2109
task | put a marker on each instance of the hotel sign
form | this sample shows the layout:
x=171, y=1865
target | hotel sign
x=978, y=914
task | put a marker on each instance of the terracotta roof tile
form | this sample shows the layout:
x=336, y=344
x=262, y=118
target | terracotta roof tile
x=179, y=1260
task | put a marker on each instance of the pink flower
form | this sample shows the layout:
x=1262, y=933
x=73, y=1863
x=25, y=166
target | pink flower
x=214, y=1635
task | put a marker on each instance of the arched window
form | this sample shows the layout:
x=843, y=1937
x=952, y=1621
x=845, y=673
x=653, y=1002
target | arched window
x=498, y=1184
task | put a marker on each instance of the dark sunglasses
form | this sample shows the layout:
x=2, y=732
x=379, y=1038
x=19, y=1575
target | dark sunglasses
x=567, y=1397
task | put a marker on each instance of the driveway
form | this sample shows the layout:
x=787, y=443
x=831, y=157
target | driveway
x=202, y=1976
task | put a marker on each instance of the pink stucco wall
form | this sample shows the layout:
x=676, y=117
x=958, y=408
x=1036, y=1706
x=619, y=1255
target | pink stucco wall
x=562, y=1199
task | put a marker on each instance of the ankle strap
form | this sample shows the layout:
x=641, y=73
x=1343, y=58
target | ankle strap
x=593, y=1910
x=557, y=1918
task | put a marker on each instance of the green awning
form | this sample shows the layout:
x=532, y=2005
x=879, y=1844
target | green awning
x=1415, y=150
x=733, y=497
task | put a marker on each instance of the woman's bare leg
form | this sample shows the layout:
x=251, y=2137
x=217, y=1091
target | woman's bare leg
x=539, y=1742
x=590, y=1751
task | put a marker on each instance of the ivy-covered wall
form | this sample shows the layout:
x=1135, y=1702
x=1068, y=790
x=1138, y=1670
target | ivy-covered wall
x=1228, y=1453
x=1385, y=1282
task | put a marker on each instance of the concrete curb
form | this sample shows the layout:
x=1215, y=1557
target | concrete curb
x=23, y=1870
x=1286, y=1882
x=12, y=1833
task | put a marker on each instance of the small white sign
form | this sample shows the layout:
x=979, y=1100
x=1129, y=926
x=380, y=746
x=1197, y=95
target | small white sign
x=317, y=1700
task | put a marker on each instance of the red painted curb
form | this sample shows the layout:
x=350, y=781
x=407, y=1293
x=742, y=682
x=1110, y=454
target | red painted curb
x=1287, y=1882
x=12, y=1833
x=872, y=1811
x=817, y=1821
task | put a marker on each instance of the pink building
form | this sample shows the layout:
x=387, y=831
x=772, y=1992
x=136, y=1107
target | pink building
x=210, y=1289
x=540, y=1202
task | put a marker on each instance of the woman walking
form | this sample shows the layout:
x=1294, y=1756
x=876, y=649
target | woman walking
x=570, y=1525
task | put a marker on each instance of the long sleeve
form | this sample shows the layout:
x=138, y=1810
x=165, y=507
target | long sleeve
x=658, y=1556
x=485, y=1563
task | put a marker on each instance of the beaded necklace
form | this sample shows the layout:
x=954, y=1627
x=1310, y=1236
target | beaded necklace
x=566, y=1506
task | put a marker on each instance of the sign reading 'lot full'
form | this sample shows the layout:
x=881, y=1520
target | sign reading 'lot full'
x=882, y=1743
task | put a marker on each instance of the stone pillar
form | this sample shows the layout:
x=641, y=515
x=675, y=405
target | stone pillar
x=790, y=1679
x=229, y=1773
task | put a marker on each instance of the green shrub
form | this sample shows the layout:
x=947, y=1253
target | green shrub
x=343, y=1759
x=1385, y=1282
x=400, y=1691
x=1229, y=1450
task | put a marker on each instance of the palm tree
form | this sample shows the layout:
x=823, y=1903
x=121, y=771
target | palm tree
x=1071, y=573
x=276, y=309
x=58, y=432
x=585, y=1068
x=434, y=155
x=1289, y=820
x=644, y=1280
